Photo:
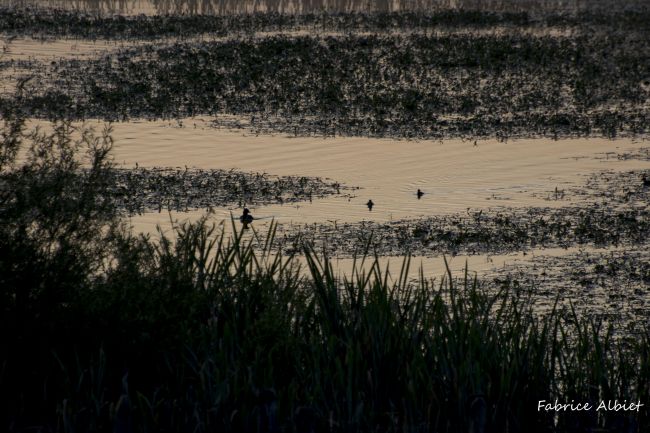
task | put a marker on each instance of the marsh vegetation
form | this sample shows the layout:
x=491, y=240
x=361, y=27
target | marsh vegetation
x=230, y=7
x=138, y=190
x=408, y=75
x=208, y=328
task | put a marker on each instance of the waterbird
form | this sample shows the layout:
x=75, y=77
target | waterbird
x=370, y=204
x=419, y=193
x=246, y=218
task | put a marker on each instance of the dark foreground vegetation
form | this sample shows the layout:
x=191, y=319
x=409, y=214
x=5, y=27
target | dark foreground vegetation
x=102, y=330
x=408, y=75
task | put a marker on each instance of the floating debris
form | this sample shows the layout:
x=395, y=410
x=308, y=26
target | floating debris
x=640, y=154
x=609, y=188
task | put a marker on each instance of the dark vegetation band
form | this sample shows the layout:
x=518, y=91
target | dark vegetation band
x=424, y=85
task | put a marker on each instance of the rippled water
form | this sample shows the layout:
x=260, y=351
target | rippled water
x=454, y=175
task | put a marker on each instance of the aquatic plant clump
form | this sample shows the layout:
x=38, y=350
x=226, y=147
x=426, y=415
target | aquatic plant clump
x=139, y=190
x=478, y=232
x=608, y=285
x=398, y=85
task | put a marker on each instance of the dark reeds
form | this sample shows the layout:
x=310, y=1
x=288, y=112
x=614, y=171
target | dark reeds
x=209, y=335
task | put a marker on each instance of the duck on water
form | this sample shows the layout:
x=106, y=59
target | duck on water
x=246, y=218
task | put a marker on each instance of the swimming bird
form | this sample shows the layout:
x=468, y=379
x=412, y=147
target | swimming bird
x=370, y=204
x=419, y=193
x=246, y=218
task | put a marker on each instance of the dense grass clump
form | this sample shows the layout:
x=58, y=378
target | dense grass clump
x=103, y=330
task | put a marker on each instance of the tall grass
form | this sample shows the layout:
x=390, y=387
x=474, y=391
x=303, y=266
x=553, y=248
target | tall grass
x=199, y=331
x=214, y=336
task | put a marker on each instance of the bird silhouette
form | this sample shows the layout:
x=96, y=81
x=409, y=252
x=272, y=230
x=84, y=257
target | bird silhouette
x=246, y=218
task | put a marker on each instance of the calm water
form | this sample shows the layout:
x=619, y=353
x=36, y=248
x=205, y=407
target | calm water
x=454, y=175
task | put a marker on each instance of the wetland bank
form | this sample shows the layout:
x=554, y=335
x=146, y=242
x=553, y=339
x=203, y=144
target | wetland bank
x=525, y=126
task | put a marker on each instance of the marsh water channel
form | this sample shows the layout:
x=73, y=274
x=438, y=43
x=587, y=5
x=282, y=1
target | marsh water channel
x=458, y=178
